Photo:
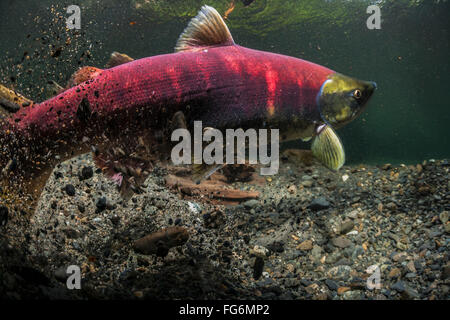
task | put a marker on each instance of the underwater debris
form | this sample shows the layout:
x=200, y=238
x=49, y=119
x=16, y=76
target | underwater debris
x=212, y=188
x=161, y=241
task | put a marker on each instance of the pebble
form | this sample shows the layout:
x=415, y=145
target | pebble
x=259, y=251
x=3, y=215
x=70, y=190
x=258, y=267
x=347, y=226
x=61, y=274
x=331, y=285
x=307, y=183
x=409, y=293
x=319, y=204
x=340, y=273
x=341, y=242
x=395, y=273
x=399, y=286
x=101, y=204
x=444, y=217
x=86, y=173
x=249, y=204
x=292, y=189
x=305, y=245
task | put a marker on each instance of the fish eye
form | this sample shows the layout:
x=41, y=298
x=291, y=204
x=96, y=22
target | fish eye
x=357, y=94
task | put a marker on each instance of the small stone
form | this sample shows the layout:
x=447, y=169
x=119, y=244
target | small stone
x=342, y=290
x=70, y=190
x=353, y=214
x=86, y=173
x=292, y=189
x=347, y=226
x=419, y=168
x=276, y=246
x=138, y=294
x=445, y=272
x=61, y=274
x=331, y=285
x=305, y=245
x=3, y=216
x=340, y=273
x=101, y=204
x=410, y=267
x=399, y=257
x=391, y=206
x=387, y=166
x=352, y=295
x=115, y=219
x=307, y=183
x=399, y=286
x=410, y=294
x=259, y=251
x=444, y=217
x=71, y=233
x=319, y=204
x=250, y=204
x=258, y=267
x=395, y=273
x=341, y=242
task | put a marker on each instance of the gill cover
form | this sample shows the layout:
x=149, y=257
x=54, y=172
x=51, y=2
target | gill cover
x=341, y=99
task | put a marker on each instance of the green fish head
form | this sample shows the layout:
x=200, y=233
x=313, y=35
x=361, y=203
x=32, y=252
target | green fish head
x=341, y=99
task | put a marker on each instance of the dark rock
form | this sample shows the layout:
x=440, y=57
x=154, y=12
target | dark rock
x=399, y=286
x=61, y=274
x=445, y=272
x=81, y=208
x=276, y=246
x=71, y=233
x=409, y=293
x=101, y=204
x=86, y=173
x=258, y=267
x=70, y=190
x=331, y=284
x=319, y=204
x=115, y=219
x=3, y=215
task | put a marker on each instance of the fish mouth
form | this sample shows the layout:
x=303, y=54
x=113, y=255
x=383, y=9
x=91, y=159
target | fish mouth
x=341, y=99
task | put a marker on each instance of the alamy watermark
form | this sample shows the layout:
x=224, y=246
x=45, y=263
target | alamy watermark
x=213, y=152
x=74, y=20
x=374, y=21
x=74, y=277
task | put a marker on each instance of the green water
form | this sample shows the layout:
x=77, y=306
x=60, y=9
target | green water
x=406, y=121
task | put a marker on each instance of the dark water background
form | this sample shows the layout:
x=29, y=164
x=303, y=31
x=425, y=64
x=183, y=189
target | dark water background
x=407, y=120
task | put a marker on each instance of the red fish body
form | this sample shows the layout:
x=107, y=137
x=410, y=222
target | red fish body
x=228, y=85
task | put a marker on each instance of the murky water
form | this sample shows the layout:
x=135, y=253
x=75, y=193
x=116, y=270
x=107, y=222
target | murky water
x=406, y=121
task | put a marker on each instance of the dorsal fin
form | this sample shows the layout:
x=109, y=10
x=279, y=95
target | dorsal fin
x=206, y=29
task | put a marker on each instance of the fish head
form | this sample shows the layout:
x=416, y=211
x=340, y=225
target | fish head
x=341, y=99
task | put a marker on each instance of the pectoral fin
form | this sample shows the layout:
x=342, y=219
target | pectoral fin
x=328, y=149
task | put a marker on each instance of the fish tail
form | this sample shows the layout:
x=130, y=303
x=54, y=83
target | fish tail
x=21, y=179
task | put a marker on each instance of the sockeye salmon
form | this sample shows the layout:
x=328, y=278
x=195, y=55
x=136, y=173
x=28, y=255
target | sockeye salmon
x=125, y=113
